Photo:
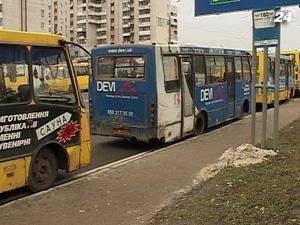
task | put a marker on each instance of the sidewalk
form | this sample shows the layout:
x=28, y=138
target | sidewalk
x=130, y=194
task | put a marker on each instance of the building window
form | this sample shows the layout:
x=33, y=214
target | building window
x=144, y=28
x=42, y=25
x=42, y=13
x=145, y=38
x=144, y=11
x=162, y=22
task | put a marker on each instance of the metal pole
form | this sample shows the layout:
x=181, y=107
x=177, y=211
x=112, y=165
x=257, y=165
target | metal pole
x=253, y=93
x=265, y=99
x=170, y=32
x=276, y=103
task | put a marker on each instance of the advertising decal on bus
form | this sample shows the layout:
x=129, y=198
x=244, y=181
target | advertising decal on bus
x=11, y=135
x=212, y=95
x=14, y=134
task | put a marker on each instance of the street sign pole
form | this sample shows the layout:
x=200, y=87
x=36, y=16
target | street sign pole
x=276, y=103
x=266, y=34
x=253, y=93
x=265, y=99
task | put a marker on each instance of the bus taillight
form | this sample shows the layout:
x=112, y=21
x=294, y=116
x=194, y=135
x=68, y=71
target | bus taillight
x=152, y=113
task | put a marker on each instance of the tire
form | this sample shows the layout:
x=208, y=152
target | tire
x=244, y=110
x=200, y=124
x=43, y=171
x=292, y=93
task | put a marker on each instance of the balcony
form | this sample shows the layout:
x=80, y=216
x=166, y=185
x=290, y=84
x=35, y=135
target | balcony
x=145, y=24
x=126, y=17
x=101, y=29
x=144, y=32
x=95, y=21
x=102, y=21
x=81, y=13
x=81, y=21
x=82, y=37
x=144, y=7
x=101, y=37
x=81, y=29
x=81, y=5
x=94, y=13
x=95, y=5
x=127, y=34
x=143, y=16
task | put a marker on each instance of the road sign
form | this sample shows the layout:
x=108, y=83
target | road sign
x=266, y=31
x=205, y=7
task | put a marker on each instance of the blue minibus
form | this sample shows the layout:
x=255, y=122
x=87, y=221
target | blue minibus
x=166, y=92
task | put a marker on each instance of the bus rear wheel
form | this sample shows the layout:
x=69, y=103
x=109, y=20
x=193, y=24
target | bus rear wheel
x=44, y=170
x=200, y=124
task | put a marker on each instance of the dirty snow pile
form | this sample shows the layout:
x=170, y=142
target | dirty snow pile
x=243, y=155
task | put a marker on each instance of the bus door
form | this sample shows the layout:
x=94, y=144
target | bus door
x=230, y=79
x=187, y=95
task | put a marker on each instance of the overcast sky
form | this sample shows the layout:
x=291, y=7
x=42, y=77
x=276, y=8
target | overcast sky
x=230, y=30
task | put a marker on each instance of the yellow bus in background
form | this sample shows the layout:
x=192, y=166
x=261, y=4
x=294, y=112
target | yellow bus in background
x=82, y=70
x=41, y=130
x=58, y=79
x=286, y=78
x=295, y=54
x=15, y=76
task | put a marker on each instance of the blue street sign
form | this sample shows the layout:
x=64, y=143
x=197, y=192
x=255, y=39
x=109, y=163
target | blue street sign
x=266, y=31
x=205, y=7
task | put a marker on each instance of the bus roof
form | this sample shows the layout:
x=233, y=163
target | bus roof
x=208, y=50
x=272, y=55
x=29, y=38
x=173, y=48
x=296, y=51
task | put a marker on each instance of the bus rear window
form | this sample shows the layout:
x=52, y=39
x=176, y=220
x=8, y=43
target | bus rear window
x=132, y=67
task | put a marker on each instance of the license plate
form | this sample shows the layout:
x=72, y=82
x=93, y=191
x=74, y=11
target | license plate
x=121, y=131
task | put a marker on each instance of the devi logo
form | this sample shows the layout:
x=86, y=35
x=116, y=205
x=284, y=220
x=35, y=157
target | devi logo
x=106, y=86
x=128, y=87
x=212, y=94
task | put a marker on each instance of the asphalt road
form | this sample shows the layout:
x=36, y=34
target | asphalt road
x=105, y=150
x=110, y=149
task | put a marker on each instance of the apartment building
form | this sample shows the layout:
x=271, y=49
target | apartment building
x=64, y=18
x=102, y=22
x=26, y=15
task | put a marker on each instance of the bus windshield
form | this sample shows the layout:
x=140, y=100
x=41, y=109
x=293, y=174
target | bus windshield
x=51, y=75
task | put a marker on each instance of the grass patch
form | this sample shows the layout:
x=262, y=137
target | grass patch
x=262, y=194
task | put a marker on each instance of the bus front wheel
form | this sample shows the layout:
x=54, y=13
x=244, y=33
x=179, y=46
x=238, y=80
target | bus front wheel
x=44, y=170
x=200, y=124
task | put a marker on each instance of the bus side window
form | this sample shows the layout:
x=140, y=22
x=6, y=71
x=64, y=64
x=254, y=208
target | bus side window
x=14, y=87
x=215, y=68
x=170, y=65
x=246, y=69
x=199, y=67
x=238, y=68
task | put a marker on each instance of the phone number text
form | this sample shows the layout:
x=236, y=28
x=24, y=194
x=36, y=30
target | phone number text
x=112, y=112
